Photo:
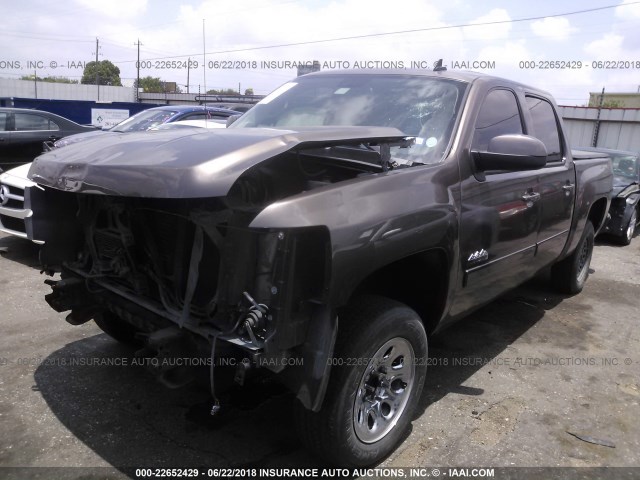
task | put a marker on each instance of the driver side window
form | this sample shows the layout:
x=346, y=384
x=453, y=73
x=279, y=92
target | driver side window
x=545, y=127
x=499, y=115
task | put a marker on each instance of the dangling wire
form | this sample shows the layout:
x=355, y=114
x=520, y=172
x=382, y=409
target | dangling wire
x=215, y=408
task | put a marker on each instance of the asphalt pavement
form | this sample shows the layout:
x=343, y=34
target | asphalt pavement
x=535, y=379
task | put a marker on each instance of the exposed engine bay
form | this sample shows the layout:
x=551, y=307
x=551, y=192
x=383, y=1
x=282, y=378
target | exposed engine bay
x=198, y=265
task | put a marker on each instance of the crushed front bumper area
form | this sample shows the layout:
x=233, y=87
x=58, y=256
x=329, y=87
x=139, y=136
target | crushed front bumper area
x=198, y=269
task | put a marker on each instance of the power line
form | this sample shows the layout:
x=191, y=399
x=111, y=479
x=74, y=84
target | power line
x=399, y=32
x=68, y=38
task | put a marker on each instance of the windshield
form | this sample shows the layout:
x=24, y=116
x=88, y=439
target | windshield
x=419, y=106
x=625, y=166
x=144, y=120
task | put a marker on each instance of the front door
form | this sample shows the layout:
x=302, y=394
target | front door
x=5, y=141
x=500, y=213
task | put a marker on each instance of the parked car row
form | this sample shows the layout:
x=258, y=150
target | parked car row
x=148, y=119
x=13, y=182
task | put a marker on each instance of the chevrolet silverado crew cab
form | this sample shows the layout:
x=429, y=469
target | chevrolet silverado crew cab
x=323, y=237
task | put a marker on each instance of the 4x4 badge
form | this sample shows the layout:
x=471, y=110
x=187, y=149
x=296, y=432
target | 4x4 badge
x=478, y=256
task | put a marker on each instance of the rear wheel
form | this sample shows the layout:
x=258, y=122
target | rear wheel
x=117, y=328
x=570, y=275
x=377, y=375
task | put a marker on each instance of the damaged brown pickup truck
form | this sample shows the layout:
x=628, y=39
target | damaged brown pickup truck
x=323, y=236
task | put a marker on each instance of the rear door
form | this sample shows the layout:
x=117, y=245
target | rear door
x=5, y=140
x=31, y=130
x=500, y=212
x=557, y=180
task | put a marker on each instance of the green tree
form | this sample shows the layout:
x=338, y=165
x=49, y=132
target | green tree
x=222, y=91
x=50, y=79
x=595, y=102
x=612, y=104
x=249, y=91
x=150, y=84
x=105, y=71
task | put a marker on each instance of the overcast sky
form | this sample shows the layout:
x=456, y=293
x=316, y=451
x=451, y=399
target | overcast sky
x=38, y=32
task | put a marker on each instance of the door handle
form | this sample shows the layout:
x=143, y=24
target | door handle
x=530, y=197
x=568, y=187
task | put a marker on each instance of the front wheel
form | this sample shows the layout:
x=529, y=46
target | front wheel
x=631, y=228
x=377, y=375
x=570, y=274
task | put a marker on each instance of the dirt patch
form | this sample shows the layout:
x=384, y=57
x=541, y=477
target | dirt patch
x=497, y=421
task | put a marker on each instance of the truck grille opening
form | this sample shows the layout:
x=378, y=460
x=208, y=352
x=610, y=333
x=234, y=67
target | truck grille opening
x=148, y=251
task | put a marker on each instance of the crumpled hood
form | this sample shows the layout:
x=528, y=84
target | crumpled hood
x=181, y=164
x=81, y=137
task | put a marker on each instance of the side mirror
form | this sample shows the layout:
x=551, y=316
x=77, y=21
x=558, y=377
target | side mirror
x=232, y=119
x=513, y=153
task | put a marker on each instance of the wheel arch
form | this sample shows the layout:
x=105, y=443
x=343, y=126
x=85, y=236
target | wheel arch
x=598, y=213
x=420, y=281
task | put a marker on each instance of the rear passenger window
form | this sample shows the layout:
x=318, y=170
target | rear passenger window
x=499, y=115
x=3, y=122
x=545, y=127
x=30, y=121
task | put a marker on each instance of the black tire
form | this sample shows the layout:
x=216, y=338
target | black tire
x=367, y=326
x=570, y=274
x=625, y=238
x=117, y=328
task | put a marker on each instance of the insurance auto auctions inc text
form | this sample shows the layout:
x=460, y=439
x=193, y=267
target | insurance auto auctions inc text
x=378, y=472
x=346, y=64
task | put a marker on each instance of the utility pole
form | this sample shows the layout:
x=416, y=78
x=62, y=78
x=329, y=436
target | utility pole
x=596, y=130
x=138, y=76
x=97, y=68
x=189, y=68
x=204, y=63
x=35, y=81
